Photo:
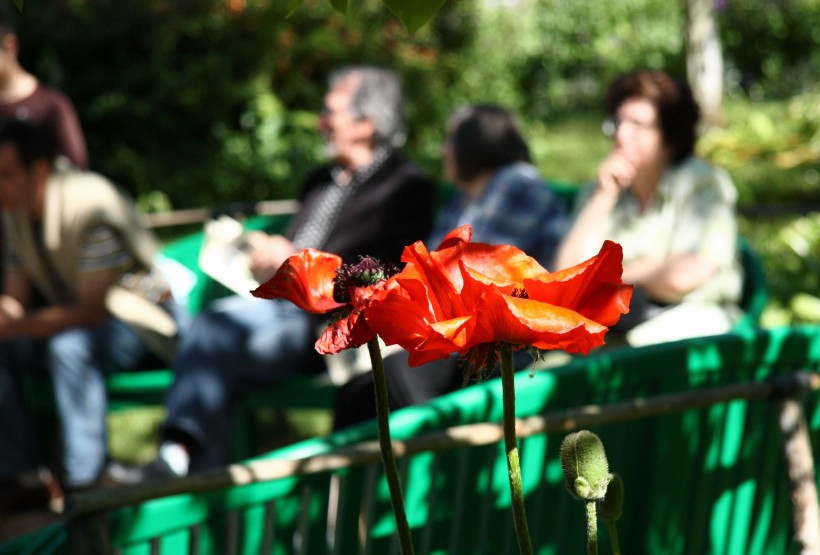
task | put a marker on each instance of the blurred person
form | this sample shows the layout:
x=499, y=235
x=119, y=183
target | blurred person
x=368, y=200
x=499, y=191
x=673, y=213
x=81, y=298
x=506, y=201
x=24, y=97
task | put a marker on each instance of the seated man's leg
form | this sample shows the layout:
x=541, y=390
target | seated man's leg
x=234, y=345
x=79, y=358
x=25, y=482
x=17, y=440
x=355, y=401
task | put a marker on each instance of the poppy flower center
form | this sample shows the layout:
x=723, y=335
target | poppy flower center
x=520, y=292
x=366, y=272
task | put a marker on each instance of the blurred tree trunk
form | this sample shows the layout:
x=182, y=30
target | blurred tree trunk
x=704, y=60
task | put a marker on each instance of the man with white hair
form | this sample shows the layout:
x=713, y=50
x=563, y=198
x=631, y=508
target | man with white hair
x=367, y=201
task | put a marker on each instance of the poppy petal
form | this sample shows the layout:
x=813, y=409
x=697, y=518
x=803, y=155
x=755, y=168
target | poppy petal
x=526, y=322
x=399, y=321
x=306, y=280
x=592, y=288
x=501, y=264
x=349, y=332
x=458, y=236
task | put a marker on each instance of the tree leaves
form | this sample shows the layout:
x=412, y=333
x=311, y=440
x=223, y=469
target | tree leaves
x=340, y=5
x=413, y=13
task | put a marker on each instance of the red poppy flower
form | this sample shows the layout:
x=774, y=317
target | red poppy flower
x=319, y=283
x=467, y=296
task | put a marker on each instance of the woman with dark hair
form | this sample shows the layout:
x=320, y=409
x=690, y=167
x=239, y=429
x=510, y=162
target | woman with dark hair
x=506, y=201
x=673, y=213
x=500, y=193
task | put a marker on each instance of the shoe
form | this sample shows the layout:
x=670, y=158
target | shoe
x=129, y=475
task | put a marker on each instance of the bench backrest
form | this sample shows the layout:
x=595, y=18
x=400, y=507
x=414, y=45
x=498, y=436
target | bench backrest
x=185, y=250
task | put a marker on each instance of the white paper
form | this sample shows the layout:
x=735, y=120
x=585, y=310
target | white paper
x=224, y=255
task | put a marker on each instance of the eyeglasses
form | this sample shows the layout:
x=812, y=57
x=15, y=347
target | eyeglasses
x=611, y=125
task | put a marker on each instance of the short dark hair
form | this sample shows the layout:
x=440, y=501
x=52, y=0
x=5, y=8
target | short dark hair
x=8, y=19
x=678, y=112
x=34, y=142
x=484, y=137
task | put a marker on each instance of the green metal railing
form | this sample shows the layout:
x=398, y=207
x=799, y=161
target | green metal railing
x=691, y=426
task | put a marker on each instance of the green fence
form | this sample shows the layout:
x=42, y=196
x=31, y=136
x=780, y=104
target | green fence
x=708, y=479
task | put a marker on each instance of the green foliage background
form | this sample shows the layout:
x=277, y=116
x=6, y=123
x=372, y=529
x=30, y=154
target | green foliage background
x=190, y=103
x=199, y=102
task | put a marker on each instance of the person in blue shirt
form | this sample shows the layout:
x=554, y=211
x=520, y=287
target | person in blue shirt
x=506, y=201
x=499, y=191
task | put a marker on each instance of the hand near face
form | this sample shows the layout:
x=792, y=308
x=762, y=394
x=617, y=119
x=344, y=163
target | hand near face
x=615, y=174
x=267, y=253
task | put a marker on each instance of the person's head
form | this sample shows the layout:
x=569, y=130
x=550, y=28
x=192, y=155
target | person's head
x=480, y=139
x=649, y=107
x=8, y=19
x=26, y=159
x=363, y=109
x=9, y=46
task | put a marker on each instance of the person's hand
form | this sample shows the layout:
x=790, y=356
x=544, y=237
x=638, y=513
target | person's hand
x=10, y=309
x=615, y=174
x=267, y=253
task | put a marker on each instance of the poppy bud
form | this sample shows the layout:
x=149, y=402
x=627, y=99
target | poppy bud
x=611, y=506
x=586, y=472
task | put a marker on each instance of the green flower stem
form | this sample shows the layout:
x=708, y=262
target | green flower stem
x=592, y=528
x=386, y=445
x=511, y=446
x=613, y=538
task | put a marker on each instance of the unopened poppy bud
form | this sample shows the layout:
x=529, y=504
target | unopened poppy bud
x=586, y=472
x=611, y=506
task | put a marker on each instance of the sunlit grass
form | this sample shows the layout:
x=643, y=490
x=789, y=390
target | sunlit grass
x=132, y=433
x=133, y=436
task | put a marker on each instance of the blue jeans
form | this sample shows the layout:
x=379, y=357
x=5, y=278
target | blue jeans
x=77, y=359
x=235, y=345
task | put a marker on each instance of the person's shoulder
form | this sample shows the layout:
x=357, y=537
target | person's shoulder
x=315, y=177
x=398, y=163
x=518, y=178
x=91, y=186
x=523, y=171
x=48, y=93
x=400, y=173
x=696, y=173
x=514, y=176
x=695, y=166
x=318, y=173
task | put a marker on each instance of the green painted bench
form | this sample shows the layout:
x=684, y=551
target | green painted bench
x=707, y=478
x=149, y=387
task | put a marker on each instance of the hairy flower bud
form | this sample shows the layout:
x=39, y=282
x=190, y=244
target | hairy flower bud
x=586, y=471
